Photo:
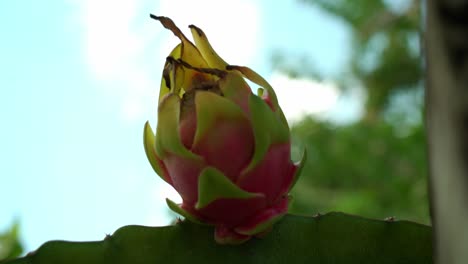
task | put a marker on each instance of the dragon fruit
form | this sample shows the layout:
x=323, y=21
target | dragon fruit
x=224, y=149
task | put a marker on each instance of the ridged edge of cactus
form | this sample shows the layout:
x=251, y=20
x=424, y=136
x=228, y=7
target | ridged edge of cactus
x=329, y=238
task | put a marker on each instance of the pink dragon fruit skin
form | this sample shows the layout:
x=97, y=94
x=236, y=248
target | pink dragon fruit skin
x=224, y=149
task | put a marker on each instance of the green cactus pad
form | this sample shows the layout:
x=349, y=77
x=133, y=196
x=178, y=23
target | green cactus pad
x=331, y=238
x=148, y=142
x=268, y=130
x=177, y=209
x=167, y=134
x=210, y=108
x=213, y=185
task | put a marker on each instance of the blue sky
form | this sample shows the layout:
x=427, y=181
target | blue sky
x=80, y=78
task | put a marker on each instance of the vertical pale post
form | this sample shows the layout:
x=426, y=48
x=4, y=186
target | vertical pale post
x=446, y=39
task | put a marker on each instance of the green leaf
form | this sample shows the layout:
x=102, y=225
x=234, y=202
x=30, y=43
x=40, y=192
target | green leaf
x=10, y=245
x=213, y=185
x=331, y=238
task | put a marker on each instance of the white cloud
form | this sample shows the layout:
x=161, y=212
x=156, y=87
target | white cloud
x=125, y=50
x=233, y=27
x=117, y=52
x=108, y=39
x=298, y=97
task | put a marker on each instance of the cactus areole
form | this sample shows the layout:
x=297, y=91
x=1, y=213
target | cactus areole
x=223, y=148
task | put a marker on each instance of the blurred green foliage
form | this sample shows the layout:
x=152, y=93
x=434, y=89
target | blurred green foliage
x=366, y=169
x=10, y=246
x=375, y=167
x=386, y=55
